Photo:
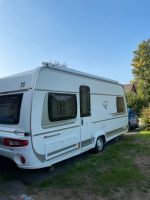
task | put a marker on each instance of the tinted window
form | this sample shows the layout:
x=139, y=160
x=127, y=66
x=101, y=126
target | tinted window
x=62, y=106
x=120, y=105
x=131, y=113
x=85, y=106
x=10, y=108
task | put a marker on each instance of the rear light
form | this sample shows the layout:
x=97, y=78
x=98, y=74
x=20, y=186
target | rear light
x=9, y=142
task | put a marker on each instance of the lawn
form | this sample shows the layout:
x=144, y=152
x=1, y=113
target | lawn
x=121, y=171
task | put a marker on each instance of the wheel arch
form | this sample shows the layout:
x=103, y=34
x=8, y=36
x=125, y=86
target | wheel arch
x=98, y=134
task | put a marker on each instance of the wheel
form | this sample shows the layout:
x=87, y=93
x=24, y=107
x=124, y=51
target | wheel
x=99, y=144
x=129, y=127
x=137, y=125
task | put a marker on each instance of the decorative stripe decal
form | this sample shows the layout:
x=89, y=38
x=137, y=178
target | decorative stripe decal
x=15, y=91
x=59, y=91
x=63, y=154
x=83, y=143
x=116, y=131
x=63, y=149
x=110, y=119
x=45, y=137
x=56, y=130
x=118, y=114
x=86, y=142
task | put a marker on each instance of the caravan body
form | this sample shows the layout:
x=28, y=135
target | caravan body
x=53, y=113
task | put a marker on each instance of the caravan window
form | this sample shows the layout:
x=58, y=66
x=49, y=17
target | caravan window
x=10, y=108
x=120, y=105
x=62, y=106
x=85, y=105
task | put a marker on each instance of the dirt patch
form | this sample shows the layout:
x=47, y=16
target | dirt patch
x=143, y=162
x=12, y=190
x=63, y=194
x=130, y=194
x=51, y=193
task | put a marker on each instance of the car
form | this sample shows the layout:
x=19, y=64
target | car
x=133, y=120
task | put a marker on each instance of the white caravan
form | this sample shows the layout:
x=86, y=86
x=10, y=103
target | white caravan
x=53, y=113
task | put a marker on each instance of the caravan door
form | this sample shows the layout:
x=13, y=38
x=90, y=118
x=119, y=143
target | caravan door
x=85, y=115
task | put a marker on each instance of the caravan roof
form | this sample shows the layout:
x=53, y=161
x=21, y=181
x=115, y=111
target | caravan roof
x=26, y=80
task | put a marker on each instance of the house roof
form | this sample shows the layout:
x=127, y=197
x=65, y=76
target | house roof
x=130, y=88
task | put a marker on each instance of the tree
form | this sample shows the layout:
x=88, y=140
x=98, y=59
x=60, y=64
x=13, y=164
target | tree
x=141, y=70
x=135, y=102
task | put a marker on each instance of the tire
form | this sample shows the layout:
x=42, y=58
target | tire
x=99, y=144
x=129, y=127
x=137, y=126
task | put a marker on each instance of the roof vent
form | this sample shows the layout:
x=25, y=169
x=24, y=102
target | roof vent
x=56, y=64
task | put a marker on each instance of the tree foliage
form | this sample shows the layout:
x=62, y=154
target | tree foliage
x=141, y=70
x=135, y=102
x=146, y=117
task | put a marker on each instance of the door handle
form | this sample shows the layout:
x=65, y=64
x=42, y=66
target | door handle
x=82, y=122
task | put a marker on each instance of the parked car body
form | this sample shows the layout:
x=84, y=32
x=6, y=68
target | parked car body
x=132, y=119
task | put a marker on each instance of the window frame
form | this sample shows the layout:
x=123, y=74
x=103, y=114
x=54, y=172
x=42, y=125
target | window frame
x=83, y=87
x=51, y=119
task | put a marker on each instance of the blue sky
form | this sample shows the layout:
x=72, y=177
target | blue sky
x=94, y=36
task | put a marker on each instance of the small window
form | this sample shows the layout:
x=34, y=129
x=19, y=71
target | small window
x=120, y=105
x=62, y=106
x=85, y=105
x=10, y=108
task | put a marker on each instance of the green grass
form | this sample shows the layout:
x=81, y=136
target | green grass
x=111, y=170
x=145, y=132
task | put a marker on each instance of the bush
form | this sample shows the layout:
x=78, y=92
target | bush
x=146, y=117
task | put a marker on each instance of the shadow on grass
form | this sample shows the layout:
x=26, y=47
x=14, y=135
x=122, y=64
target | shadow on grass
x=10, y=172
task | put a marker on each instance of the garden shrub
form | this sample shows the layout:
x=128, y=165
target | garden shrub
x=146, y=117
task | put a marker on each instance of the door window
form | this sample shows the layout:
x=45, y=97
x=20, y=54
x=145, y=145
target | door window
x=85, y=105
